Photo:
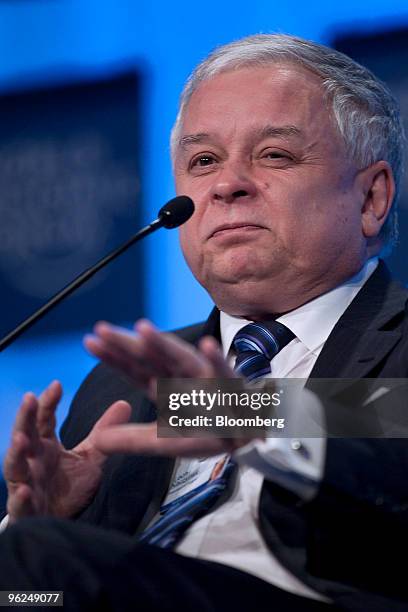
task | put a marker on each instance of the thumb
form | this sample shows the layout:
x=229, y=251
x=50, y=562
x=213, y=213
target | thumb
x=117, y=414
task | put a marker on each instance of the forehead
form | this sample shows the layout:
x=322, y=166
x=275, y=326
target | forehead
x=246, y=98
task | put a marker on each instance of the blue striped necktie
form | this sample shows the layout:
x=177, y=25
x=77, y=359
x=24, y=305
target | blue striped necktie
x=256, y=345
x=172, y=524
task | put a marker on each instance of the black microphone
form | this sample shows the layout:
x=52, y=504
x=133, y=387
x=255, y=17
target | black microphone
x=176, y=212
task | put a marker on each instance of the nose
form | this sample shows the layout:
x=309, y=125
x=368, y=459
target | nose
x=231, y=183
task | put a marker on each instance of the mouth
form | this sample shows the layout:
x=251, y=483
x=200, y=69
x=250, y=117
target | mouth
x=234, y=228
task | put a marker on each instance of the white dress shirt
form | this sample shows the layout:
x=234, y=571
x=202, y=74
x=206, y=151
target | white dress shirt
x=230, y=534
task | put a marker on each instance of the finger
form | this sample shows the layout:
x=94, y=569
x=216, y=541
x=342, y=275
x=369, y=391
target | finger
x=150, y=353
x=159, y=350
x=26, y=421
x=117, y=414
x=143, y=440
x=121, y=342
x=20, y=504
x=140, y=352
x=47, y=404
x=136, y=368
x=131, y=354
x=181, y=359
x=212, y=351
x=16, y=468
x=127, y=438
x=28, y=405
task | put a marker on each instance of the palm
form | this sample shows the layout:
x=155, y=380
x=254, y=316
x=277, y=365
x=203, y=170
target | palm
x=43, y=478
x=63, y=481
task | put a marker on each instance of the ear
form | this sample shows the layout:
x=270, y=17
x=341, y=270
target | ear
x=378, y=187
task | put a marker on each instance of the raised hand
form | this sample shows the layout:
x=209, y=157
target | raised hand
x=149, y=354
x=144, y=357
x=43, y=478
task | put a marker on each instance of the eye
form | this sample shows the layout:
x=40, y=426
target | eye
x=275, y=154
x=202, y=161
x=275, y=157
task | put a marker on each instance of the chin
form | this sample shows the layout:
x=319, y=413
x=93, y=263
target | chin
x=237, y=276
x=240, y=265
x=236, y=290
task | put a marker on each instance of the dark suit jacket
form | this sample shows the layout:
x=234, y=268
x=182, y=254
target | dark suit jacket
x=342, y=543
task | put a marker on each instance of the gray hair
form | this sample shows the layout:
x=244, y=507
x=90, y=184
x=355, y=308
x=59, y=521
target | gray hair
x=364, y=109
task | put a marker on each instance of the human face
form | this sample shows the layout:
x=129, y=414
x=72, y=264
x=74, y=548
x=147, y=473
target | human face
x=278, y=203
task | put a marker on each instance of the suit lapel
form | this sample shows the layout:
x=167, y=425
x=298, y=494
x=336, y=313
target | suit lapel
x=211, y=326
x=367, y=331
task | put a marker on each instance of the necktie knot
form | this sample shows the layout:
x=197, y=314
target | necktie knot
x=256, y=345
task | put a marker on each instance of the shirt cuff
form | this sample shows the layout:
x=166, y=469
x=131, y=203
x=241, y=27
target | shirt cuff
x=294, y=463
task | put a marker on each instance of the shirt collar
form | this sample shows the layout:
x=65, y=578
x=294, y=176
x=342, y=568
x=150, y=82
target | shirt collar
x=313, y=322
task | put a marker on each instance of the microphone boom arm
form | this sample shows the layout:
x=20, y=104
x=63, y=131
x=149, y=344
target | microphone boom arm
x=183, y=209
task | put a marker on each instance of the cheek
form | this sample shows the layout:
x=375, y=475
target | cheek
x=184, y=240
x=189, y=242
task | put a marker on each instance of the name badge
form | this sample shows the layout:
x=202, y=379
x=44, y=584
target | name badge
x=191, y=474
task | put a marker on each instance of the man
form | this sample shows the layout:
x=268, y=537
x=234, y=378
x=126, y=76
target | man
x=291, y=153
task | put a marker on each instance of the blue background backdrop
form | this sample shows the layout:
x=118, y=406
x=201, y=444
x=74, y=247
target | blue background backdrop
x=49, y=42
